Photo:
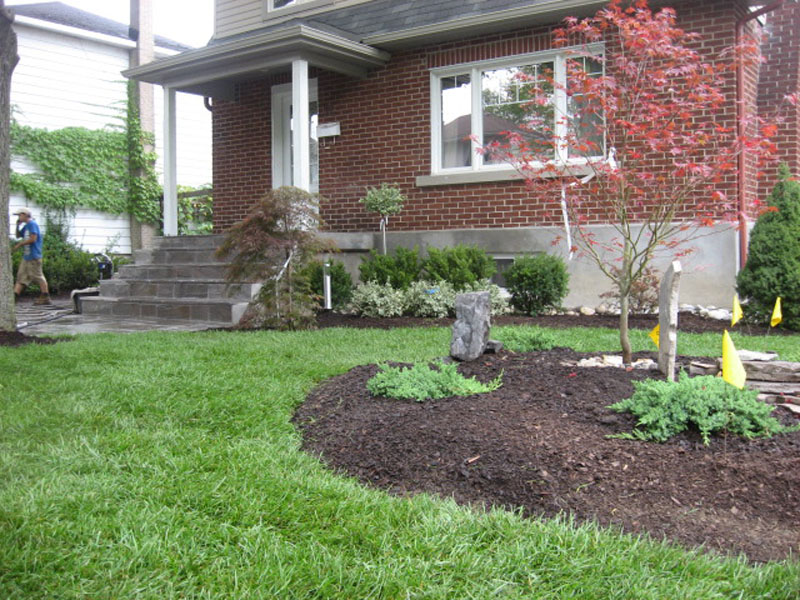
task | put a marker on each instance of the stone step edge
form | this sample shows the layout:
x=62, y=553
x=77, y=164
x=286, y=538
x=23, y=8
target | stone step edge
x=161, y=300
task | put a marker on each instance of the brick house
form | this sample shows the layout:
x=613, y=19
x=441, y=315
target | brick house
x=385, y=93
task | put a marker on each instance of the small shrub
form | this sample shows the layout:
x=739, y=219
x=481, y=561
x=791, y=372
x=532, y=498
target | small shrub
x=429, y=299
x=421, y=382
x=398, y=270
x=526, y=339
x=644, y=291
x=341, y=283
x=537, y=283
x=378, y=300
x=665, y=409
x=773, y=262
x=460, y=265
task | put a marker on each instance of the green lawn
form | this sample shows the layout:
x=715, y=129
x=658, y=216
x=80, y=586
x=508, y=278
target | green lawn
x=164, y=465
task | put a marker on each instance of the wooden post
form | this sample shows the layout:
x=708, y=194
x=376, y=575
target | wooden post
x=8, y=61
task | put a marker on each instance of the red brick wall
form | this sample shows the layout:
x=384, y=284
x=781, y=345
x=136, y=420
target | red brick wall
x=780, y=75
x=385, y=137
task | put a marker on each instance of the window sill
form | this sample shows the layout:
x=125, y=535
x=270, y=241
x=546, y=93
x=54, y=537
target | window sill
x=489, y=176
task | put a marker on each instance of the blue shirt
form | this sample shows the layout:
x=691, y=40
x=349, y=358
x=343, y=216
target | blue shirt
x=32, y=251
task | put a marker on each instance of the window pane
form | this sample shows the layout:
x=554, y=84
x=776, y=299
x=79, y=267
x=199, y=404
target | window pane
x=510, y=104
x=586, y=120
x=456, y=121
x=281, y=3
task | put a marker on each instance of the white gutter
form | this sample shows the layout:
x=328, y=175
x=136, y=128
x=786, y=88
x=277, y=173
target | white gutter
x=85, y=34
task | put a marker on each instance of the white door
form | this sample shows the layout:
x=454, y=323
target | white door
x=282, y=152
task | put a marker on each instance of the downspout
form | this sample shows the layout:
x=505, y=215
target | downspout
x=740, y=127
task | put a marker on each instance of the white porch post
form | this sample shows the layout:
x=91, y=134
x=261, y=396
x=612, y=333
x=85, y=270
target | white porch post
x=300, y=130
x=170, y=165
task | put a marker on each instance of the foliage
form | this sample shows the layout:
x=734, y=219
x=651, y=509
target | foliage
x=386, y=200
x=459, y=265
x=398, y=270
x=373, y=299
x=420, y=299
x=709, y=404
x=107, y=169
x=273, y=244
x=526, y=339
x=429, y=299
x=643, y=291
x=773, y=262
x=420, y=382
x=638, y=103
x=65, y=265
x=195, y=210
x=537, y=283
x=341, y=283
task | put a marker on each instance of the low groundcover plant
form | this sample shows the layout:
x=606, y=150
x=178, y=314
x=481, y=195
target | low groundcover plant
x=710, y=404
x=420, y=382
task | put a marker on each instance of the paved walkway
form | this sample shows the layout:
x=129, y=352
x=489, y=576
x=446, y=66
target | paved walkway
x=59, y=318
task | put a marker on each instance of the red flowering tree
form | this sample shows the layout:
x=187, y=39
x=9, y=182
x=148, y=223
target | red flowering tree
x=640, y=135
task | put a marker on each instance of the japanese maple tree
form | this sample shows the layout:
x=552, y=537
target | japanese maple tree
x=641, y=135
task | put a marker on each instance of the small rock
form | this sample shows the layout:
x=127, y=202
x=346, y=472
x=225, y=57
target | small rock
x=753, y=355
x=570, y=313
x=720, y=314
x=602, y=309
x=587, y=311
x=493, y=347
x=612, y=360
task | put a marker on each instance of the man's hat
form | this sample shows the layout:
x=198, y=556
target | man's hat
x=23, y=211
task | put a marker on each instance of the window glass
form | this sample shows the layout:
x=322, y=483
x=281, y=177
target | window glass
x=509, y=105
x=281, y=3
x=586, y=121
x=456, y=145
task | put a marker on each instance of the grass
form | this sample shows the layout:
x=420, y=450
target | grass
x=164, y=466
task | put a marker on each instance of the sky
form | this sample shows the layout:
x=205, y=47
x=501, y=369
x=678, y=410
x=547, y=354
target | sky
x=187, y=21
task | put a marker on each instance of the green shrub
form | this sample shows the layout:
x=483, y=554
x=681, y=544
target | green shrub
x=460, y=265
x=377, y=300
x=420, y=382
x=773, y=262
x=341, y=283
x=537, y=283
x=65, y=265
x=428, y=299
x=526, y=339
x=710, y=404
x=398, y=270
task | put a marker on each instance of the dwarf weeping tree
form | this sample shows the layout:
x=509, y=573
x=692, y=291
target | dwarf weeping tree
x=8, y=60
x=634, y=130
x=274, y=245
x=386, y=200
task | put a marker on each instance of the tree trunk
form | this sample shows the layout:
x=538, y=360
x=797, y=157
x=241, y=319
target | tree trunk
x=8, y=60
x=624, y=340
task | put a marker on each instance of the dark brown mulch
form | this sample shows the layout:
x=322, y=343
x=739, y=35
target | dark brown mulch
x=688, y=322
x=539, y=442
x=17, y=338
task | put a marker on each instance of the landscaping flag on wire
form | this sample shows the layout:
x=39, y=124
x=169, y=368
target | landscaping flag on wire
x=777, y=317
x=737, y=311
x=732, y=369
x=654, y=334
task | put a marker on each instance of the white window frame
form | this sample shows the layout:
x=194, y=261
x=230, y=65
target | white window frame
x=474, y=69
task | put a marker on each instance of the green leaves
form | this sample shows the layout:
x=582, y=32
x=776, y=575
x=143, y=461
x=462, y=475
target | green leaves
x=421, y=382
x=707, y=403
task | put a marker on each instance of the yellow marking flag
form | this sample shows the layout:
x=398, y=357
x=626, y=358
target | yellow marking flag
x=736, y=316
x=732, y=368
x=654, y=334
x=777, y=316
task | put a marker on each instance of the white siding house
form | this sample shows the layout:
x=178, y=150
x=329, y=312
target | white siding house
x=69, y=76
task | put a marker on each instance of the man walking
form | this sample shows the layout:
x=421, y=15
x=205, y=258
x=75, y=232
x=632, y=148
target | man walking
x=30, y=268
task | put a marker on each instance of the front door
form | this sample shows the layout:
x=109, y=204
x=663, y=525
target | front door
x=282, y=152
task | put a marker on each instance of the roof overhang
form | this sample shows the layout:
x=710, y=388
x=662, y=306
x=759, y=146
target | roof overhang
x=214, y=70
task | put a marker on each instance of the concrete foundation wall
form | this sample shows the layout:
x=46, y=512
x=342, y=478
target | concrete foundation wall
x=709, y=272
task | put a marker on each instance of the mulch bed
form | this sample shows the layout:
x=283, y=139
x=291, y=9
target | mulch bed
x=540, y=443
x=17, y=338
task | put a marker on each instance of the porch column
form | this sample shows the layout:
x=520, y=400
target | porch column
x=301, y=174
x=170, y=164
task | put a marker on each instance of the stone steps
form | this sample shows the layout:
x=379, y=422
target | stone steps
x=179, y=278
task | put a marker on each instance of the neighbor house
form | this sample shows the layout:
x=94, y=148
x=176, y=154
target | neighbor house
x=337, y=95
x=69, y=75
